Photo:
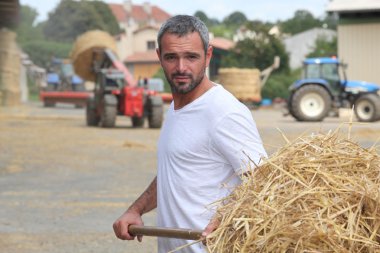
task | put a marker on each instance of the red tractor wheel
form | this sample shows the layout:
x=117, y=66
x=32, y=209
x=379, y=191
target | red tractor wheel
x=108, y=111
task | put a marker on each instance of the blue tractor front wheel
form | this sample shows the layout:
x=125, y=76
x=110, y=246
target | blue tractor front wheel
x=367, y=108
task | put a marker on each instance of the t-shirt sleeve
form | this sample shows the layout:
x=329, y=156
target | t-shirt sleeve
x=237, y=139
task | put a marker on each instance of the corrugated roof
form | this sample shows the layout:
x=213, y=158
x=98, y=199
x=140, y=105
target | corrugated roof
x=353, y=6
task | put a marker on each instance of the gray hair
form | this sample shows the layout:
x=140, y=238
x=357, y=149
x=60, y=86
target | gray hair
x=182, y=25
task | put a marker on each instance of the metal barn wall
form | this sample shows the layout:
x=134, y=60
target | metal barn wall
x=359, y=46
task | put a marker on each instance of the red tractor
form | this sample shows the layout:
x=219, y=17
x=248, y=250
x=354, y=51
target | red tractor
x=115, y=94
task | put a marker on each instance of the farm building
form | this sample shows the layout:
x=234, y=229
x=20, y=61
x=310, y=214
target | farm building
x=358, y=37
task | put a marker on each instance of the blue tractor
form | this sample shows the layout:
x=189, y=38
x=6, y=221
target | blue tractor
x=324, y=89
x=63, y=85
x=61, y=77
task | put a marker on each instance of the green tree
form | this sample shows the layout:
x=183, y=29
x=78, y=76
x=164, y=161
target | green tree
x=107, y=16
x=202, y=16
x=221, y=30
x=72, y=18
x=258, y=26
x=214, y=21
x=26, y=29
x=209, y=22
x=31, y=39
x=330, y=21
x=257, y=53
x=302, y=20
x=278, y=84
x=41, y=51
x=235, y=19
x=324, y=47
x=260, y=52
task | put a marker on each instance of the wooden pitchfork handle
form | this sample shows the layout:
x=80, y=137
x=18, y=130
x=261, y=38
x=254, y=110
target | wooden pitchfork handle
x=178, y=233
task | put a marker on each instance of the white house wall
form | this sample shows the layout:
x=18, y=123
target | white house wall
x=125, y=42
x=142, y=37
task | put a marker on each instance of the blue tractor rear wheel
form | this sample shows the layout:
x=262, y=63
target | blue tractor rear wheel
x=310, y=102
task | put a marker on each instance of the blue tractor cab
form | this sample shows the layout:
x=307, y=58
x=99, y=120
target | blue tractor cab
x=324, y=88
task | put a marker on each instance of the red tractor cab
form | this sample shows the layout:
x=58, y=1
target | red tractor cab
x=116, y=93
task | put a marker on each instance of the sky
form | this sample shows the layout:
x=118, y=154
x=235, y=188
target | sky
x=264, y=10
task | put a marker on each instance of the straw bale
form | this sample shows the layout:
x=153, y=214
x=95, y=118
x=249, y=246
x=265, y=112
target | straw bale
x=9, y=53
x=243, y=83
x=10, y=98
x=10, y=78
x=9, y=69
x=316, y=194
x=7, y=37
x=82, y=51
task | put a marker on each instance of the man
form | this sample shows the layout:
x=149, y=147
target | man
x=207, y=140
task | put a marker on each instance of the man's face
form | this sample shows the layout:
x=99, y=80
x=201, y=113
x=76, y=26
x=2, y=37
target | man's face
x=184, y=61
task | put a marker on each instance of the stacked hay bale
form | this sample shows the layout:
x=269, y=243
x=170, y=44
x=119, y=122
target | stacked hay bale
x=317, y=194
x=243, y=83
x=10, y=93
x=83, y=49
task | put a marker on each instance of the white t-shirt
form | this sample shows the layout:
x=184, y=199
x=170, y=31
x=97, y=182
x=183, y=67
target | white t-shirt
x=202, y=149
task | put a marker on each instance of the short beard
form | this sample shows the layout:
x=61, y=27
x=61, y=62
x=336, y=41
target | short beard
x=191, y=86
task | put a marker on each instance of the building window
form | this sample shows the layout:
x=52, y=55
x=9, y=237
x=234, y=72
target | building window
x=151, y=45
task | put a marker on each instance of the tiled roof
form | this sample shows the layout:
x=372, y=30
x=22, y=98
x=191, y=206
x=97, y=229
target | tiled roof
x=222, y=43
x=148, y=56
x=147, y=27
x=159, y=14
x=118, y=11
x=138, y=13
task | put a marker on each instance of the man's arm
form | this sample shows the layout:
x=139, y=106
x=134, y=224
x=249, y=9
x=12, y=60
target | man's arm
x=148, y=199
x=145, y=203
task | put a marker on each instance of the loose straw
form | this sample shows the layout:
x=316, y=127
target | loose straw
x=316, y=194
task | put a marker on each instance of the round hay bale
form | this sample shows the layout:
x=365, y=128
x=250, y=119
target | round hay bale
x=318, y=194
x=244, y=84
x=82, y=51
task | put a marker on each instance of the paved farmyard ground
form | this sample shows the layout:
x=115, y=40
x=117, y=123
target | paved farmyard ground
x=62, y=184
